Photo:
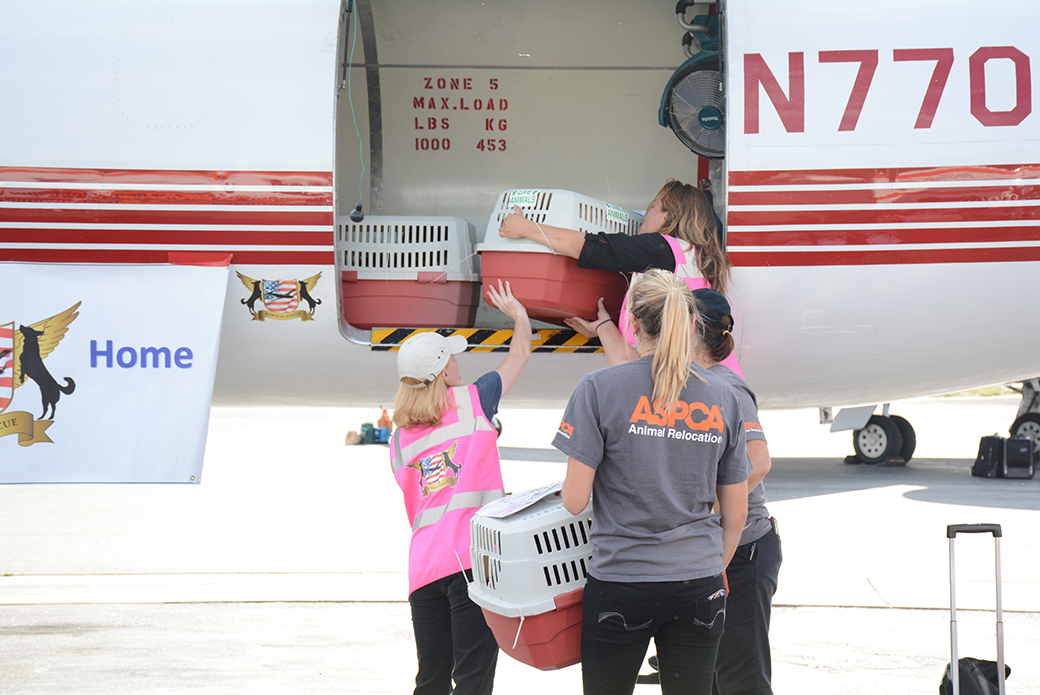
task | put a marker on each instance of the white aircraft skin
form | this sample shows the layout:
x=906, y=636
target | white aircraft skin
x=879, y=188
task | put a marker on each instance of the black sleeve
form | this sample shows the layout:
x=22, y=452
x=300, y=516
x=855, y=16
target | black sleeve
x=626, y=254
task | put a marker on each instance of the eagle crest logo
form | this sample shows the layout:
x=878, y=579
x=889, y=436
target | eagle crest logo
x=281, y=298
x=438, y=470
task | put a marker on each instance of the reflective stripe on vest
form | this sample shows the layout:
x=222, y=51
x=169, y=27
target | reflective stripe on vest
x=462, y=500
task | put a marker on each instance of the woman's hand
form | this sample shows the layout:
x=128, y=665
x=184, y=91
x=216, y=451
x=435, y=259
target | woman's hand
x=513, y=225
x=589, y=329
x=520, y=343
x=503, y=300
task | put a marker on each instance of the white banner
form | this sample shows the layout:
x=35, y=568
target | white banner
x=106, y=372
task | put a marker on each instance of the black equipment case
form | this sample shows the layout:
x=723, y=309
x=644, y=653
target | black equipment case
x=974, y=676
x=1001, y=457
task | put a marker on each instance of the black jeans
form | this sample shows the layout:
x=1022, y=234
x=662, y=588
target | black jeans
x=452, y=640
x=743, y=666
x=618, y=619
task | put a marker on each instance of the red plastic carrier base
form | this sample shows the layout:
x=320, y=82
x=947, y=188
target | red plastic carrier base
x=553, y=287
x=548, y=641
x=428, y=302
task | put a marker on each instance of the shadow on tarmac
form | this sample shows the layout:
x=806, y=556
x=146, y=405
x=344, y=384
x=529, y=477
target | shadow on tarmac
x=940, y=481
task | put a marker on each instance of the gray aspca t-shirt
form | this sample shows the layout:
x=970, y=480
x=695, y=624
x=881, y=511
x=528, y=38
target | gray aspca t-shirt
x=758, y=523
x=655, y=480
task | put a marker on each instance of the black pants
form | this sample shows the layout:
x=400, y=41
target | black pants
x=743, y=666
x=452, y=640
x=618, y=619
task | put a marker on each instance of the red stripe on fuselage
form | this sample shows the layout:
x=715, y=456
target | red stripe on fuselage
x=741, y=258
x=172, y=236
x=248, y=257
x=883, y=196
x=881, y=215
x=308, y=209
x=995, y=233
x=201, y=216
x=861, y=237
x=907, y=176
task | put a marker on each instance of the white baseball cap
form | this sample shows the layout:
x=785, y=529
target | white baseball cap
x=424, y=356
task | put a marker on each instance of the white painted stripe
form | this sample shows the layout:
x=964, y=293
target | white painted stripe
x=201, y=207
x=815, y=228
x=798, y=248
x=161, y=247
x=881, y=185
x=169, y=227
x=881, y=206
x=113, y=186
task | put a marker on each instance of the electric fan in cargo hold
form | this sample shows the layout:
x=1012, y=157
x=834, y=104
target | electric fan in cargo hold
x=694, y=107
x=694, y=102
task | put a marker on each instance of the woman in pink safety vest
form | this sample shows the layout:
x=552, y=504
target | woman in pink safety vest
x=444, y=456
x=679, y=233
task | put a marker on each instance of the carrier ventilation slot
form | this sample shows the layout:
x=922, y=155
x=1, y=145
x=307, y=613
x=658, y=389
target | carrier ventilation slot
x=565, y=572
x=488, y=540
x=572, y=534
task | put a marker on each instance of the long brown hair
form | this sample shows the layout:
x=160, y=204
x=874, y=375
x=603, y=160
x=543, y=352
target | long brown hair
x=692, y=219
x=665, y=308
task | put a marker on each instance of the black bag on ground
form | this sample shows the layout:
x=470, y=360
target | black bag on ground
x=990, y=461
x=977, y=677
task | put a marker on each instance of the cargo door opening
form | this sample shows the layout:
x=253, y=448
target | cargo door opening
x=414, y=145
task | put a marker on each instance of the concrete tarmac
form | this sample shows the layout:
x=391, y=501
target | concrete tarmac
x=283, y=571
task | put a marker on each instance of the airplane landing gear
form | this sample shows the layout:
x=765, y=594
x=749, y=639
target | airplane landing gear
x=1027, y=424
x=887, y=440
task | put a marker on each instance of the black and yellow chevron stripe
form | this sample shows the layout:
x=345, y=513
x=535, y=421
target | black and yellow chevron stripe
x=491, y=340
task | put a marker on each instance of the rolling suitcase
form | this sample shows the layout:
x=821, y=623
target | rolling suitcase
x=974, y=676
x=1019, y=458
x=1000, y=457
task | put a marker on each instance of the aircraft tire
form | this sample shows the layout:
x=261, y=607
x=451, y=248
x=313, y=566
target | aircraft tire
x=878, y=442
x=1027, y=425
x=909, y=437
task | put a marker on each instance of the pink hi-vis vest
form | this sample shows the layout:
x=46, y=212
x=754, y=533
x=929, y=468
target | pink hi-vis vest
x=446, y=473
x=686, y=268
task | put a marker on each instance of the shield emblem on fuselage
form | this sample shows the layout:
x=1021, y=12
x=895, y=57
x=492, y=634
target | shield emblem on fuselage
x=280, y=296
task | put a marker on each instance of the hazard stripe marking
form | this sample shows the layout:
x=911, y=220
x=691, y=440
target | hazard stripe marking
x=492, y=340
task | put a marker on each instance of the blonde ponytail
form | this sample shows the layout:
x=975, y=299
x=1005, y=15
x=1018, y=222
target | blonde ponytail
x=665, y=308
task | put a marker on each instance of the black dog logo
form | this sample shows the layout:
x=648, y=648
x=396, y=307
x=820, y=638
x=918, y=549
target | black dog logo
x=305, y=295
x=257, y=294
x=32, y=344
x=31, y=363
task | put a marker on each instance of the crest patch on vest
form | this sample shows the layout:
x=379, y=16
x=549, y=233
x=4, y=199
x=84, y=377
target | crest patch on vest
x=438, y=470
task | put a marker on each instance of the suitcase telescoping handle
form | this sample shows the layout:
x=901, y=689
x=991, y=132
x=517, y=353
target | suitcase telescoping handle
x=954, y=529
x=951, y=533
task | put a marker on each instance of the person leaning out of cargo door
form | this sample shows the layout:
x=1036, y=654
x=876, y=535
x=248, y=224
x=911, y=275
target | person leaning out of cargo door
x=655, y=443
x=445, y=459
x=743, y=665
x=679, y=233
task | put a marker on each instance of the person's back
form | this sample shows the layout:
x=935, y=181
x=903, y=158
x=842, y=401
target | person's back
x=655, y=486
x=654, y=444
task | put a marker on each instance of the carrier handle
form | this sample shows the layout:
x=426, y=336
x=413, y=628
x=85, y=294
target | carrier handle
x=953, y=529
